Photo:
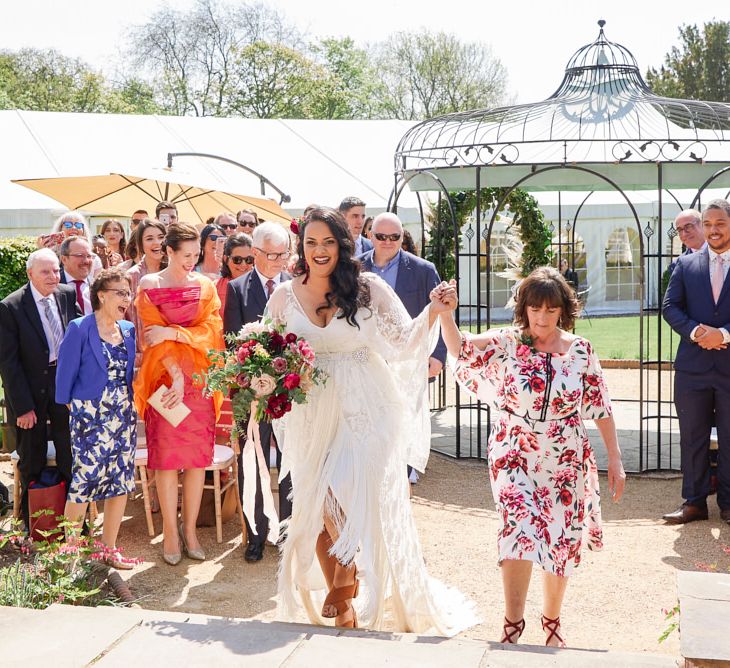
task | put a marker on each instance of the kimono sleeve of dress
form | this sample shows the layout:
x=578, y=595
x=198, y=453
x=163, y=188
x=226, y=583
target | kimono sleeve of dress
x=480, y=371
x=406, y=345
x=596, y=403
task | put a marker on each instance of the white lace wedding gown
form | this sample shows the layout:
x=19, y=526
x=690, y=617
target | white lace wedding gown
x=347, y=447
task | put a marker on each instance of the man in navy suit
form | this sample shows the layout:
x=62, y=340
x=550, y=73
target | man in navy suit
x=697, y=307
x=353, y=211
x=245, y=302
x=410, y=276
x=32, y=322
x=76, y=266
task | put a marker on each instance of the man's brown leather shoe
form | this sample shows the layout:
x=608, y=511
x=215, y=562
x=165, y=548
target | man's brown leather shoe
x=686, y=513
x=725, y=515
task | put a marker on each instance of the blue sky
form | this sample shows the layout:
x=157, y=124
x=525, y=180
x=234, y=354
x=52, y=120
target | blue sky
x=533, y=39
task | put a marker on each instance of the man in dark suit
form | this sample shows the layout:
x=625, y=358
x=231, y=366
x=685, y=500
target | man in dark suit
x=32, y=322
x=245, y=302
x=697, y=307
x=410, y=276
x=353, y=211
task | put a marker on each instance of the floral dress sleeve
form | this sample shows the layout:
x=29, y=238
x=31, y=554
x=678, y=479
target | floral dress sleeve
x=596, y=403
x=480, y=371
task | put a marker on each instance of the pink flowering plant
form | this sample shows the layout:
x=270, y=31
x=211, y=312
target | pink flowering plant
x=265, y=365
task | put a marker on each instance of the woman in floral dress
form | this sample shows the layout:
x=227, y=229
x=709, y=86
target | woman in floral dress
x=545, y=382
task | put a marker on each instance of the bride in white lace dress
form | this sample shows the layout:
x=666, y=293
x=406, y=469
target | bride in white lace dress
x=348, y=446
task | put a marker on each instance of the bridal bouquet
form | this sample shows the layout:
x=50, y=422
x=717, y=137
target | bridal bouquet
x=268, y=369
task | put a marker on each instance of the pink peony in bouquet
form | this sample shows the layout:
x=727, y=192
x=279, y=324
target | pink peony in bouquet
x=264, y=367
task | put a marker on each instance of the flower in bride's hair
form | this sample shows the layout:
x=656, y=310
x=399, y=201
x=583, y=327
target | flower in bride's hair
x=294, y=226
x=263, y=385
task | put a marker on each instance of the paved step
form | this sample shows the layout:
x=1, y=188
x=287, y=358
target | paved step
x=109, y=637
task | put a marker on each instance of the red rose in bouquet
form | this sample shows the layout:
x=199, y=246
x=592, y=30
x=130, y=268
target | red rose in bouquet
x=265, y=370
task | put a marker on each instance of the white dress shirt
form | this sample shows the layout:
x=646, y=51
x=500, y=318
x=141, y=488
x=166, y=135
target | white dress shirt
x=38, y=297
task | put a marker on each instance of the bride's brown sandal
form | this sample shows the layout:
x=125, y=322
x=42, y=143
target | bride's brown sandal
x=552, y=626
x=512, y=631
x=340, y=598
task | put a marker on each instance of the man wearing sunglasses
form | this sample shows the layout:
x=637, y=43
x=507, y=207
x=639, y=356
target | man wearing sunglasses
x=410, y=276
x=227, y=222
x=245, y=302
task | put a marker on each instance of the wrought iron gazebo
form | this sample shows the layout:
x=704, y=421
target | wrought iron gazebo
x=602, y=130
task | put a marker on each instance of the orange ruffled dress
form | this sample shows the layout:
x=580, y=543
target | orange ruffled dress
x=194, y=311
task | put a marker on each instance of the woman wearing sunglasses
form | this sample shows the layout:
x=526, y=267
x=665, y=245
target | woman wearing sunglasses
x=69, y=224
x=237, y=261
x=212, y=238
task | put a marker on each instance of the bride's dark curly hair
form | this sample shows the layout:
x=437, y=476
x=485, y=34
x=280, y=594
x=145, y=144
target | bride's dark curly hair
x=349, y=291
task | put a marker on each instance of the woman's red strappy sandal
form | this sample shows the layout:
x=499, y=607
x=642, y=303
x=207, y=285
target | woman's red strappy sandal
x=552, y=626
x=512, y=631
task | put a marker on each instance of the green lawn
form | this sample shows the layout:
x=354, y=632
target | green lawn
x=618, y=337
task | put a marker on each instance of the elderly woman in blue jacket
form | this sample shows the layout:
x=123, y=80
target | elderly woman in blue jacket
x=94, y=376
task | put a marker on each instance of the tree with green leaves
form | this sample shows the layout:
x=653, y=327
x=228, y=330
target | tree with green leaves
x=351, y=88
x=697, y=69
x=426, y=74
x=46, y=80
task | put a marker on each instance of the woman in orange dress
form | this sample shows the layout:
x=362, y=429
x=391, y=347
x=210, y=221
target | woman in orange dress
x=179, y=310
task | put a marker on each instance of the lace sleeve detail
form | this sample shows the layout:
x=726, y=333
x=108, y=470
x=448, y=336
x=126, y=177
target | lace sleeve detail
x=406, y=344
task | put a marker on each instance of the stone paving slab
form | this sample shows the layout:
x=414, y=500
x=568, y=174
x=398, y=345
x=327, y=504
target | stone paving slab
x=218, y=642
x=704, y=602
x=347, y=651
x=534, y=656
x=46, y=637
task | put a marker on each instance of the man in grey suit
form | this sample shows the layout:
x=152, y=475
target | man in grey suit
x=245, y=302
x=353, y=211
x=410, y=276
x=32, y=322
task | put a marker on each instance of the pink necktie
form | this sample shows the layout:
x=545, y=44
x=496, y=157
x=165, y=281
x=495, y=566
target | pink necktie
x=269, y=287
x=718, y=278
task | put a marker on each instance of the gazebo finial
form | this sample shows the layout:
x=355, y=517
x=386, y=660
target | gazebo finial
x=601, y=23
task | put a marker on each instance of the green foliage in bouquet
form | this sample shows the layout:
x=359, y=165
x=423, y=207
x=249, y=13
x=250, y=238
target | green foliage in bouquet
x=266, y=366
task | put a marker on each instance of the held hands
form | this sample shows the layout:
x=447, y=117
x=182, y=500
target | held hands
x=444, y=297
x=155, y=334
x=616, y=477
x=709, y=338
x=434, y=367
x=27, y=420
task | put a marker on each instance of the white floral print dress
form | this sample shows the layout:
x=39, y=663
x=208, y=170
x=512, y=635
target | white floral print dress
x=541, y=465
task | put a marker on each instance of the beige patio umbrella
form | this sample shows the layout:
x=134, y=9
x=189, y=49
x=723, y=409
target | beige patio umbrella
x=122, y=194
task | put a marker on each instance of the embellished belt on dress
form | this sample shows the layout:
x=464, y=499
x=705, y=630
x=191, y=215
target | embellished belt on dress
x=535, y=420
x=359, y=355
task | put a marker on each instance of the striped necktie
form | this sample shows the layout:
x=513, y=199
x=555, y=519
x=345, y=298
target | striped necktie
x=56, y=331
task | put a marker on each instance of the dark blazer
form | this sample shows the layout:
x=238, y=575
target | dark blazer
x=82, y=365
x=416, y=278
x=24, y=349
x=367, y=245
x=245, y=301
x=688, y=302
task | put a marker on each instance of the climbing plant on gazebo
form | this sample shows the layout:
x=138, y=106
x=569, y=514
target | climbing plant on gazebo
x=520, y=206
